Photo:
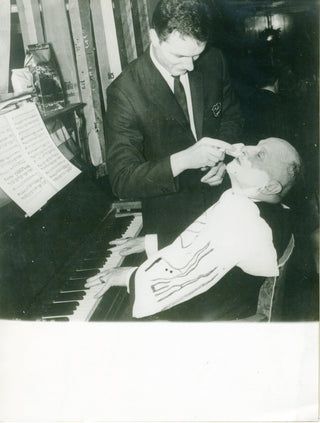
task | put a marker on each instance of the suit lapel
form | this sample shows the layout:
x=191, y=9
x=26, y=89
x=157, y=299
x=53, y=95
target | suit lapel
x=196, y=88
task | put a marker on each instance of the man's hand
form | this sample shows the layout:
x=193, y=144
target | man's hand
x=215, y=175
x=127, y=246
x=205, y=152
x=116, y=276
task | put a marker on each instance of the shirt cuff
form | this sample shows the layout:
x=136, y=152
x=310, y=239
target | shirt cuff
x=151, y=244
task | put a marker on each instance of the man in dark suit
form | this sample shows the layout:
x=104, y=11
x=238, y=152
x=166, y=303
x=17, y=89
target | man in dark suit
x=166, y=113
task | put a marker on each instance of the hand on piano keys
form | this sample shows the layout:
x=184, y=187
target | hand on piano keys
x=118, y=276
x=127, y=246
x=76, y=302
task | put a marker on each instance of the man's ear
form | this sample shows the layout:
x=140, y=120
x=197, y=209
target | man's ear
x=154, y=37
x=273, y=187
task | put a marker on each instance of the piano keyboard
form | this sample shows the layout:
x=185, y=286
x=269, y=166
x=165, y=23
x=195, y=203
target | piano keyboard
x=74, y=302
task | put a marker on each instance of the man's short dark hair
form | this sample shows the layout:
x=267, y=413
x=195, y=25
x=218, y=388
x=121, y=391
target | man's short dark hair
x=189, y=17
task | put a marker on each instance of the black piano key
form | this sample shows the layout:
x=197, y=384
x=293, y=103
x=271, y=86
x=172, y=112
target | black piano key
x=98, y=248
x=76, y=278
x=60, y=309
x=86, y=263
x=84, y=273
x=69, y=296
x=74, y=285
x=93, y=258
x=118, y=229
x=94, y=262
x=112, y=232
x=89, y=267
x=99, y=254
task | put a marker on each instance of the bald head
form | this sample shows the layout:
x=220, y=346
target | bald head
x=267, y=171
x=284, y=163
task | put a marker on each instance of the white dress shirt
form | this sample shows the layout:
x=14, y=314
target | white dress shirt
x=184, y=81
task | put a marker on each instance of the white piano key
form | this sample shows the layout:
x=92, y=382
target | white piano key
x=89, y=303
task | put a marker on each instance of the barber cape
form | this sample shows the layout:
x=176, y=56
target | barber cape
x=230, y=233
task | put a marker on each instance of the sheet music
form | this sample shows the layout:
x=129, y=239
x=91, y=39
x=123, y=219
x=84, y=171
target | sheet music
x=32, y=169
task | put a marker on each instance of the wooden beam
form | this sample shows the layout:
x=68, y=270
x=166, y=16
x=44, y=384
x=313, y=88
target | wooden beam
x=128, y=29
x=5, y=37
x=136, y=26
x=79, y=11
x=30, y=22
x=120, y=34
x=57, y=33
x=144, y=22
x=106, y=43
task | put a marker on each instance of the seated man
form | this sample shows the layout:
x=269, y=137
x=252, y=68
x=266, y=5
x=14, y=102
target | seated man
x=247, y=229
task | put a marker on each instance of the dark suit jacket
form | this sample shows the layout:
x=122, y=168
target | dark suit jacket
x=145, y=125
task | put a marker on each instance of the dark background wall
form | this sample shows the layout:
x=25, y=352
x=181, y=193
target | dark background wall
x=266, y=41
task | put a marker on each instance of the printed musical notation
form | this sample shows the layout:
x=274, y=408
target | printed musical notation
x=32, y=169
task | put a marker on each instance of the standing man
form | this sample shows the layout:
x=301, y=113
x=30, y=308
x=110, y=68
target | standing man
x=166, y=115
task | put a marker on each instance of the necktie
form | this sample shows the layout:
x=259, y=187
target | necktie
x=180, y=95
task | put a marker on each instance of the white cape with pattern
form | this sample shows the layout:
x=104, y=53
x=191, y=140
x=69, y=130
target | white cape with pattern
x=230, y=233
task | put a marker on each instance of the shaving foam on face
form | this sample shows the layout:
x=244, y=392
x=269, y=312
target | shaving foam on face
x=235, y=150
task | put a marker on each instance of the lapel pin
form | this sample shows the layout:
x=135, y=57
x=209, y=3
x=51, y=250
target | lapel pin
x=216, y=109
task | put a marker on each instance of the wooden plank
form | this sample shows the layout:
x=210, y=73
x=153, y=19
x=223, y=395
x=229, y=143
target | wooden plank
x=106, y=43
x=144, y=22
x=79, y=12
x=5, y=36
x=57, y=33
x=30, y=22
x=120, y=34
x=128, y=29
x=151, y=5
x=136, y=26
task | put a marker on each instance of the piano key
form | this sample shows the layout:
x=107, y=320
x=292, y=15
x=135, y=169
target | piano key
x=86, y=262
x=60, y=309
x=85, y=273
x=97, y=252
x=74, y=285
x=68, y=296
x=90, y=302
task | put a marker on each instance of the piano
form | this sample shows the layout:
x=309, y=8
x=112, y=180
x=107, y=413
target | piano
x=46, y=259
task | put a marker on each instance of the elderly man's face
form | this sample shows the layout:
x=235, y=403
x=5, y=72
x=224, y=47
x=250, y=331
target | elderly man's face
x=259, y=164
x=177, y=53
